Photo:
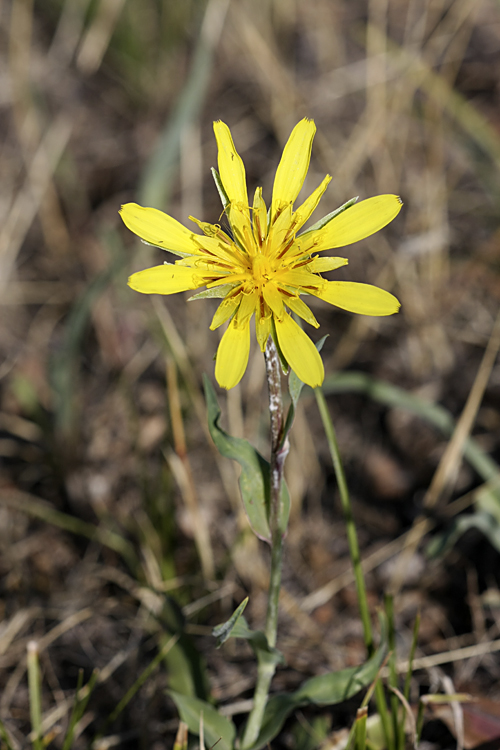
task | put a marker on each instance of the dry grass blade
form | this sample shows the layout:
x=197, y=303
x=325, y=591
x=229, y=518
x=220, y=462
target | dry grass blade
x=181, y=738
x=448, y=657
x=38, y=508
x=11, y=628
x=181, y=469
x=449, y=464
x=27, y=201
x=56, y=632
x=102, y=101
x=409, y=717
x=181, y=357
x=96, y=40
x=143, y=677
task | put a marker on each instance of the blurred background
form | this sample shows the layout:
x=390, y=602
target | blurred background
x=119, y=524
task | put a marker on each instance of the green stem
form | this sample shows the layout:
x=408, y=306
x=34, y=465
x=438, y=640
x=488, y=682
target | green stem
x=352, y=539
x=266, y=663
x=345, y=500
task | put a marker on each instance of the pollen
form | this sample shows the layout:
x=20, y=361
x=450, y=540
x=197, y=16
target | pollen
x=262, y=270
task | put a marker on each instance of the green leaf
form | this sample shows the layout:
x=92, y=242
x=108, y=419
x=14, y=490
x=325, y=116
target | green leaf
x=217, y=292
x=254, y=477
x=311, y=734
x=324, y=690
x=326, y=219
x=217, y=729
x=223, y=632
x=488, y=500
x=185, y=666
x=174, y=252
x=220, y=187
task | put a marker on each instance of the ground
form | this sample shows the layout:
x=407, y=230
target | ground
x=120, y=524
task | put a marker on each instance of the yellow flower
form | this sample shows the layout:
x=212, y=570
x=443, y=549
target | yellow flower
x=265, y=265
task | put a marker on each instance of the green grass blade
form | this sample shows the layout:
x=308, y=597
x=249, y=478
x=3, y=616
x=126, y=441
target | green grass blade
x=38, y=508
x=392, y=396
x=361, y=717
x=82, y=696
x=159, y=173
x=393, y=677
x=142, y=678
x=406, y=690
x=5, y=737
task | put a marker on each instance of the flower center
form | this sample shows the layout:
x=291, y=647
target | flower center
x=262, y=269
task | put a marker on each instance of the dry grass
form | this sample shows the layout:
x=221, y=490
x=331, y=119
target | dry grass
x=113, y=503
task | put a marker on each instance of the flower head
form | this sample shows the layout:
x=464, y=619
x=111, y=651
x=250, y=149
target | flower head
x=267, y=263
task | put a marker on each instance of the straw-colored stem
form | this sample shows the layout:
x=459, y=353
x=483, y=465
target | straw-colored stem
x=34, y=687
x=266, y=666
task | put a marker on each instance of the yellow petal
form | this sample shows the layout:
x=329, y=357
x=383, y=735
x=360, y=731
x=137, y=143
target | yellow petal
x=232, y=174
x=304, y=211
x=299, y=278
x=320, y=265
x=357, y=222
x=301, y=309
x=259, y=213
x=293, y=166
x=224, y=311
x=247, y=307
x=274, y=299
x=263, y=330
x=300, y=352
x=280, y=232
x=231, y=167
x=166, y=279
x=232, y=355
x=159, y=229
x=364, y=299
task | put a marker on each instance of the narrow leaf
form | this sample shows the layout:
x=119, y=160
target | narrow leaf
x=254, y=477
x=216, y=292
x=220, y=187
x=326, y=219
x=223, y=632
x=217, y=729
x=327, y=689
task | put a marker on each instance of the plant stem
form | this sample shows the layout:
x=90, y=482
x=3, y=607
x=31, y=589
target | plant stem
x=345, y=500
x=352, y=539
x=267, y=663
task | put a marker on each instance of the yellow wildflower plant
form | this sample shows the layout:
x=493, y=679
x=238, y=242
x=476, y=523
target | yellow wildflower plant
x=264, y=266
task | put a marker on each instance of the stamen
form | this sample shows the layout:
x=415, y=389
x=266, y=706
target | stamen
x=286, y=292
x=286, y=248
x=303, y=263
